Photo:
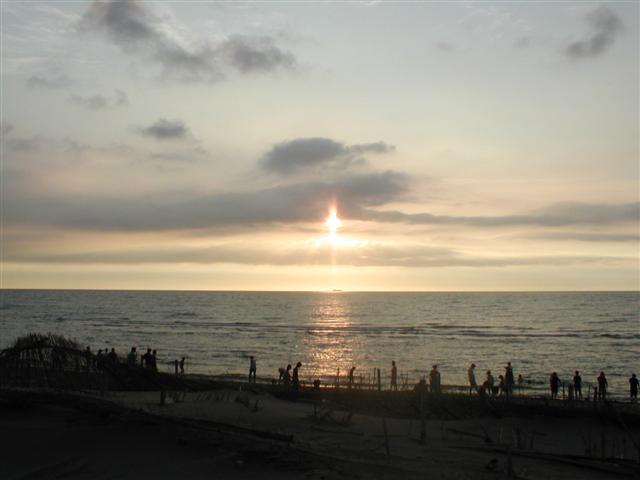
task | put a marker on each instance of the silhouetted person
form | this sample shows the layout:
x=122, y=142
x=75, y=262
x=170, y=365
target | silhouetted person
x=502, y=387
x=633, y=388
x=252, y=369
x=351, y=370
x=487, y=386
x=145, y=360
x=295, y=379
x=577, y=385
x=112, y=356
x=509, y=379
x=100, y=360
x=286, y=376
x=182, y=365
x=175, y=365
x=87, y=356
x=154, y=361
x=471, y=375
x=554, y=384
x=132, y=357
x=394, y=376
x=602, y=387
x=434, y=379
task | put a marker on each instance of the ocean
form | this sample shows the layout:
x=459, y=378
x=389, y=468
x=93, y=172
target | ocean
x=217, y=331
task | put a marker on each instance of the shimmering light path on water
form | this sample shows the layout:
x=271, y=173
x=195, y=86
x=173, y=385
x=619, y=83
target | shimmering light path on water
x=216, y=331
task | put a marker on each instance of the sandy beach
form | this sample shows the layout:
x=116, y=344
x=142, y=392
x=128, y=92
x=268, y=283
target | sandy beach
x=234, y=433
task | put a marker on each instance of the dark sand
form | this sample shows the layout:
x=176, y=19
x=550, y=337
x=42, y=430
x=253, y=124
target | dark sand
x=179, y=441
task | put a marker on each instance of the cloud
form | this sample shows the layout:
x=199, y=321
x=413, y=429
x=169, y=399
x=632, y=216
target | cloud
x=298, y=203
x=587, y=237
x=100, y=102
x=605, y=27
x=365, y=254
x=307, y=153
x=164, y=129
x=555, y=215
x=139, y=31
x=24, y=144
x=6, y=128
x=256, y=54
x=94, y=102
x=49, y=81
x=445, y=47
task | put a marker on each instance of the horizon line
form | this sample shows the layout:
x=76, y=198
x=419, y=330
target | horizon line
x=306, y=291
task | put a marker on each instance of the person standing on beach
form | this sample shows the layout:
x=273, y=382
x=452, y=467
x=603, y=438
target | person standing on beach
x=434, y=379
x=112, y=356
x=252, y=369
x=353, y=369
x=296, y=379
x=509, y=379
x=132, y=357
x=633, y=388
x=87, y=356
x=577, y=385
x=602, y=387
x=554, y=384
x=154, y=361
x=286, y=376
x=487, y=386
x=471, y=375
x=145, y=360
x=394, y=376
x=182, y=366
x=99, y=360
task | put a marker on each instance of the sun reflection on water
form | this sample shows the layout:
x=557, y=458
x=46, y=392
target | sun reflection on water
x=329, y=342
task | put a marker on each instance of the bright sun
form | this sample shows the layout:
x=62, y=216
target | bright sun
x=333, y=222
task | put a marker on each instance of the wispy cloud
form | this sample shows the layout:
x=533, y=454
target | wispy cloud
x=559, y=214
x=137, y=30
x=99, y=101
x=587, y=237
x=49, y=81
x=367, y=254
x=604, y=29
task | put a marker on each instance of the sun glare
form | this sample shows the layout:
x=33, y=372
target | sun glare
x=333, y=223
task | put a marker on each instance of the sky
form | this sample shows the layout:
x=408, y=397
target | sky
x=464, y=146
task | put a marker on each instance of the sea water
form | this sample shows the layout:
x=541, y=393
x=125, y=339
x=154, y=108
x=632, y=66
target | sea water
x=217, y=331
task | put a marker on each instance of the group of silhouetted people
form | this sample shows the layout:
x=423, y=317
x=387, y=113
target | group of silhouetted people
x=505, y=386
x=106, y=357
x=289, y=377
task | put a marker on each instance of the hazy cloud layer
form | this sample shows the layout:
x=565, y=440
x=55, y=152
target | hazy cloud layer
x=365, y=255
x=164, y=129
x=559, y=214
x=139, y=31
x=301, y=202
x=99, y=102
x=588, y=237
x=605, y=27
x=49, y=81
x=304, y=153
x=6, y=128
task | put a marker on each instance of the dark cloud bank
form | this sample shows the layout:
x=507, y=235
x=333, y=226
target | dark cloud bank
x=137, y=30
